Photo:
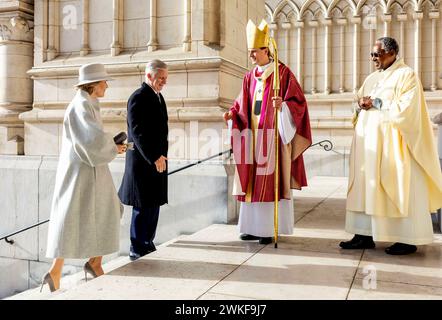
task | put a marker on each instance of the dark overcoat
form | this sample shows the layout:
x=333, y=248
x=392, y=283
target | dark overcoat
x=143, y=186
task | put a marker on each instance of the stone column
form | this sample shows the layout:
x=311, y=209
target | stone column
x=402, y=18
x=314, y=26
x=287, y=26
x=152, y=45
x=356, y=51
x=16, y=58
x=85, y=30
x=434, y=16
x=53, y=32
x=342, y=23
x=300, y=53
x=187, y=41
x=372, y=38
x=327, y=56
x=418, y=15
x=116, y=46
x=273, y=27
x=387, y=24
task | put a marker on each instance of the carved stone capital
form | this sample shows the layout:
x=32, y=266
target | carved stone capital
x=16, y=28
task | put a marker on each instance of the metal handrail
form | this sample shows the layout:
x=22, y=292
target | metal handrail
x=326, y=144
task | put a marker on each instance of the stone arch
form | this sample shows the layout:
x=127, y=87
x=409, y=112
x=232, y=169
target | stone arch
x=334, y=3
x=394, y=4
x=429, y=2
x=307, y=4
x=282, y=5
x=362, y=2
x=269, y=12
x=391, y=2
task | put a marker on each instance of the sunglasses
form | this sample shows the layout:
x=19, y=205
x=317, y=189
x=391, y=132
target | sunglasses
x=376, y=54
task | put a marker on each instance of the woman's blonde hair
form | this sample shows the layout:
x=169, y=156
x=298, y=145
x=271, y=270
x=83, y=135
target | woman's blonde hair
x=88, y=87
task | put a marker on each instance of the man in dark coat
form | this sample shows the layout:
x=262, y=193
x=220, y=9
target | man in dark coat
x=144, y=183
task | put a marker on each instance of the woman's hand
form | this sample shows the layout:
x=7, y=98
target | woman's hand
x=122, y=148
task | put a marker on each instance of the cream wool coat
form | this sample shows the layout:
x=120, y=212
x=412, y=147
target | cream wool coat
x=387, y=141
x=86, y=211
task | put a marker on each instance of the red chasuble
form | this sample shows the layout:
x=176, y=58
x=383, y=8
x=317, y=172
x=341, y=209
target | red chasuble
x=253, y=139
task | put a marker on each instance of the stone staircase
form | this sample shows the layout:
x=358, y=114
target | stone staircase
x=213, y=264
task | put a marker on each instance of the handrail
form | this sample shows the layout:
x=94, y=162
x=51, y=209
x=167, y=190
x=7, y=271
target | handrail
x=326, y=144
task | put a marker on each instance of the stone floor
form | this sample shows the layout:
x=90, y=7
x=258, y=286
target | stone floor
x=214, y=264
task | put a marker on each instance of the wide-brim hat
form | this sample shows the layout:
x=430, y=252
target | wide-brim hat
x=93, y=72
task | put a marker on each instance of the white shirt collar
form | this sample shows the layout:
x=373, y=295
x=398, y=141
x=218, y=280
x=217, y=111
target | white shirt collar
x=156, y=92
x=263, y=68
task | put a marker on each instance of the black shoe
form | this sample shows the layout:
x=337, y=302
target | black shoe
x=150, y=250
x=134, y=256
x=265, y=240
x=358, y=242
x=247, y=237
x=398, y=249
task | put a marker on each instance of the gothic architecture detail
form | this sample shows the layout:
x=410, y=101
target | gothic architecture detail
x=16, y=58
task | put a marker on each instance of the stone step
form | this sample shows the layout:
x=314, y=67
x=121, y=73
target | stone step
x=71, y=281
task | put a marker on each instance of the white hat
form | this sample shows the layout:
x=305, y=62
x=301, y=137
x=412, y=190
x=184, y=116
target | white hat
x=93, y=72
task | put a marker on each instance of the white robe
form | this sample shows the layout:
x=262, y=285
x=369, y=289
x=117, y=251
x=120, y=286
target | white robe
x=416, y=229
x=368, y=206
x=86, y=211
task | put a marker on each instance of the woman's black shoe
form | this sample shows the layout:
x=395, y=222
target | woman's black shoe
x=358, y=242
x=398, y=249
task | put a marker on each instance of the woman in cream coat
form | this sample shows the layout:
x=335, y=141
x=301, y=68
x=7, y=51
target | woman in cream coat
x=86, y=211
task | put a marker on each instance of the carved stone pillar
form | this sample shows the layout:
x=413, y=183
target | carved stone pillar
x=418, y=15
x=402, y=18
x=356, y=52
x=85, y=30
x=314, y=25
x=327, y=56
x=387, y=24
x=152, y=45
x=287, y=26
x=342, y=23
x=300, y=52
x=16, y=58
x=53, y=31
x=372, y=37
x=187, y=41
x=117, y=26
x=434, y=16
x=273, y=27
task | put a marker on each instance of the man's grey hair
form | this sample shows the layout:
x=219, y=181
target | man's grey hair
x=389, y=44
x=153, y=66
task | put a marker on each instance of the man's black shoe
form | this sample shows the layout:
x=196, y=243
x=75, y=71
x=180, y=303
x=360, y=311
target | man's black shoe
x=400, y=249
x=265, y=240
x=134, y=256
x=247, y=237
x=358, y=242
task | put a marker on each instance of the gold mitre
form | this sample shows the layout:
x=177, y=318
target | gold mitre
x=257, y=37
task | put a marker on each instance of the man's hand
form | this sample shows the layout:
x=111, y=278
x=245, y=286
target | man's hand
x=228, y=116
x=122, y=148
x=277, y=103
x=365, y=103
x=161, y=164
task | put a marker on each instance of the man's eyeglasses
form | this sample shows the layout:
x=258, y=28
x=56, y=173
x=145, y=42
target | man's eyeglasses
x=376, y=54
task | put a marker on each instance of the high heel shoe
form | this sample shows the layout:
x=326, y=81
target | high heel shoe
x=48, y=279
x=88, y=269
